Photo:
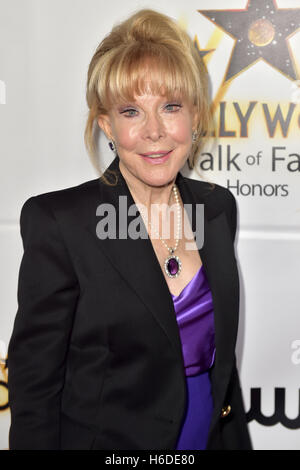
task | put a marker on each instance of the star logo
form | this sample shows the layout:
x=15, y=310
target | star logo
x=261, y=32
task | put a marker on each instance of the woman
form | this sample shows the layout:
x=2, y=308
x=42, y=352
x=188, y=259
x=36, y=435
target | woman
x=124, y=341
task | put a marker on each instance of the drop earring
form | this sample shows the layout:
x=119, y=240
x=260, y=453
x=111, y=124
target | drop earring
x=194, y=136
x=112, y=146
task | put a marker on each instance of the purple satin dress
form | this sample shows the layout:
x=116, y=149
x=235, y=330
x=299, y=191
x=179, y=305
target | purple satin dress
x=195, y=318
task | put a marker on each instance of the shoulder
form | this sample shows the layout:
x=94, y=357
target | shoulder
x=63, y=200
x=215, y=196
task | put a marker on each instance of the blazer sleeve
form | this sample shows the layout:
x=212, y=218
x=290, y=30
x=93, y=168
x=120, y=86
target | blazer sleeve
x=47, y=295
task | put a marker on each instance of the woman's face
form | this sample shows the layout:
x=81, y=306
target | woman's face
x=153, y=137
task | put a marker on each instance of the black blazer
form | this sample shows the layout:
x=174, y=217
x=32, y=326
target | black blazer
x=95, y=358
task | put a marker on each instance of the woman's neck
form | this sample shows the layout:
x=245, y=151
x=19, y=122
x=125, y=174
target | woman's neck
x=147, y=195
x=157, y=205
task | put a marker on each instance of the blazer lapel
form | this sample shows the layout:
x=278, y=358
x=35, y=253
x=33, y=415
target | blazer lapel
x=136, y=261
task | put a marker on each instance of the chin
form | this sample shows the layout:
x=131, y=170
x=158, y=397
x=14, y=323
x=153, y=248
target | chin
x=159, y=180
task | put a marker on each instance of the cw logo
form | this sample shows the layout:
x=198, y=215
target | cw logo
x=279, y=416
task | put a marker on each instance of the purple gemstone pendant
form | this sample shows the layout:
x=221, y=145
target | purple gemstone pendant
x=172, y=266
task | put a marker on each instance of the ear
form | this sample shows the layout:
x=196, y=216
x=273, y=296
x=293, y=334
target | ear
x=105, y=124
x=195, y=118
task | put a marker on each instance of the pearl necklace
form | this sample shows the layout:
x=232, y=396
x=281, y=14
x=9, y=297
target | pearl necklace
x=172, y=263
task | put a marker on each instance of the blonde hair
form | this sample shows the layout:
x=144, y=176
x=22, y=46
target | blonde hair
x=147, y=47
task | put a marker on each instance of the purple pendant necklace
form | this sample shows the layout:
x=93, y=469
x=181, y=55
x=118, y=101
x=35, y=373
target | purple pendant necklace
x=172, y=263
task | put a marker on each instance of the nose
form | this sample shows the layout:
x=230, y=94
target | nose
x=154, y=127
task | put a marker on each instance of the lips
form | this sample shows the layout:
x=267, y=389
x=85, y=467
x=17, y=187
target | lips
x=157, y=154
x=156, y=158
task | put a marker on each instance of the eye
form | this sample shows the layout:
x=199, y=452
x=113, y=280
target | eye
x=129, y=112
x=173, y=107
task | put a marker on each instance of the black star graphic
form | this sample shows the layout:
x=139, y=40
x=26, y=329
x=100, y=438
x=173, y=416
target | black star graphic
x=260, y=32
x=202, y=52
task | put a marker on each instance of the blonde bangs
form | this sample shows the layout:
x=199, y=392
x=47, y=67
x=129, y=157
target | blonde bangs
x=141, y=69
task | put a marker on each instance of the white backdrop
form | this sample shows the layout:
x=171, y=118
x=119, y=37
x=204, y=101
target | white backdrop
x=45, y=49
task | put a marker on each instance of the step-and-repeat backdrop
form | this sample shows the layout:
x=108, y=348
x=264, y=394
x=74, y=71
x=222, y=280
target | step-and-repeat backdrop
x=252, y=52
